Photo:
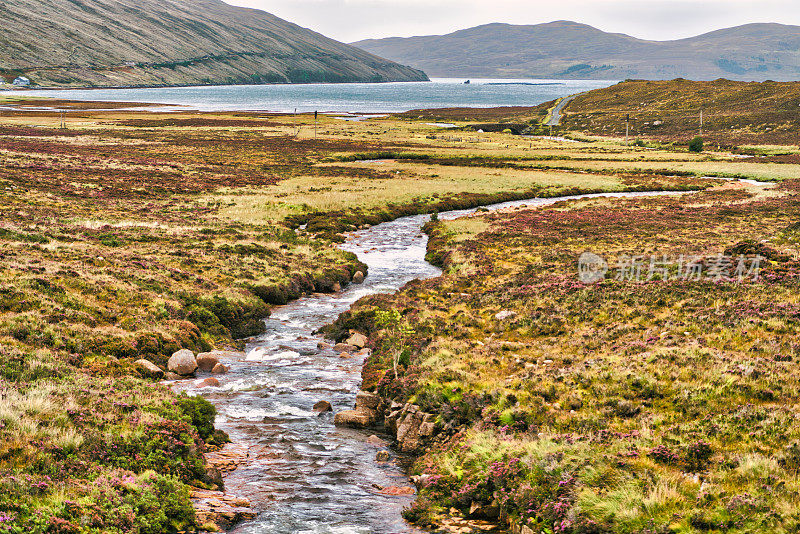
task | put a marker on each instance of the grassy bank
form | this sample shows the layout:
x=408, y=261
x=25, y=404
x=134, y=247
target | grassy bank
x=660, y=406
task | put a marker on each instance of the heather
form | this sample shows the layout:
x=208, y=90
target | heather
x=131, y=235
x=661, y=405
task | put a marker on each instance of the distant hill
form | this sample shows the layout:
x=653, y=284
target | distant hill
x=173, y=42
x=562, y=50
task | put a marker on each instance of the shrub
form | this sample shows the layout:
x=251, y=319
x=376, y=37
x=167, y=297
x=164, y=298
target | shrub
x=201, y=413
x=696, y=144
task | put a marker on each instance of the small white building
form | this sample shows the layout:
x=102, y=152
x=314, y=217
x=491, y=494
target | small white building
x=22, y=81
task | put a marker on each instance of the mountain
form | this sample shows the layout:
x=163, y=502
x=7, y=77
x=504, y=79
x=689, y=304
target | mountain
x=755, y=52
x=173, y=42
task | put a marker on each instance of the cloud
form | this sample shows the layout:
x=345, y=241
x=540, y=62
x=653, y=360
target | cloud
x=352, y=20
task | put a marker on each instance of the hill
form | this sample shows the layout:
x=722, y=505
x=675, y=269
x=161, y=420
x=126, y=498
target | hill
x=734, y=113
x=565, y=50
x=173, y=42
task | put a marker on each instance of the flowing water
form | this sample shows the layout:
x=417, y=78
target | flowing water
x=303, y=474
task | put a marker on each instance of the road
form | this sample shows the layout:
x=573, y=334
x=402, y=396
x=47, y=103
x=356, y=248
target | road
x=555, y=117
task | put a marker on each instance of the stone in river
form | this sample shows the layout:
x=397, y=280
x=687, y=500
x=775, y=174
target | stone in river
x=382, y=456
x=206, y=361
x=375, y=440
x=220, y=369
x=344, y=347
x=209, y=382
x=182, y=363
x=322, y=407
x=353, y=418
x=358, y=278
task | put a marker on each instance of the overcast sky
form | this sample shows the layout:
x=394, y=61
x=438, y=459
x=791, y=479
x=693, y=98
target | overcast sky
x=353, y=20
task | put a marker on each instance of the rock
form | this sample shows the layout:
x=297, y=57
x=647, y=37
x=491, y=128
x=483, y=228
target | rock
x=209, y=383
x=322, y=407
x=182, y=363
x=221, y=509
x=323, y=346
x=206, y=361
x=358, y=340
x=358, y=278
x=220, y=369
x=344, y=347
x=149, y=369
x=173, y=376
x=505, y=314
x=383, y=456
x=376, y=441
x=398, y=490
x=367, y=400
x=336, y=287
x=353, y=418
x=427, y=430
x=365, y=353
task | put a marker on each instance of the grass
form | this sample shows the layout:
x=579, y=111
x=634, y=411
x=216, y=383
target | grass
x=130, y=235
x=623, y=407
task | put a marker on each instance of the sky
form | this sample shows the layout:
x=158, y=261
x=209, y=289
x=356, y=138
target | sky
x=353, y=20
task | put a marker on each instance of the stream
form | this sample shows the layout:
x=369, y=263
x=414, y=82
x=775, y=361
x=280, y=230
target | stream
x=303, y=475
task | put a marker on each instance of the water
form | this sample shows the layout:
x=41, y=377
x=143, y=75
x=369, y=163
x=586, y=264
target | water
x=304, y=475
x=352, y=98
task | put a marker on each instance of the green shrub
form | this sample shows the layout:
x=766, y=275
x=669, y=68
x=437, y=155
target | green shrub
x=696, y=144
x=201, y=413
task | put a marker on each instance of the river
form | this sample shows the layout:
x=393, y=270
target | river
x=304, y=475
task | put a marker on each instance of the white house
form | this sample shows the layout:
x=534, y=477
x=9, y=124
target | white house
x=22, y=81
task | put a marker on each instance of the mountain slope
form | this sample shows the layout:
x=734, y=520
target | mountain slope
x=173, y=42
x=564, y=49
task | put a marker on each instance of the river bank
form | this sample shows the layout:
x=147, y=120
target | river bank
x=132, y=235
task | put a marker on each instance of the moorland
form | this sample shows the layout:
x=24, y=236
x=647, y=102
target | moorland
x=660, y=406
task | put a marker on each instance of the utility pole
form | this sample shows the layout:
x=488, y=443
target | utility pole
x=627, y=128
x=294, y=123
x=63, y=124
x=701, y=122
x=316, y=116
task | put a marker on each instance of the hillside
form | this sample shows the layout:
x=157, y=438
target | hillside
x=734, y=113
x=565, y=49
x=173, y=42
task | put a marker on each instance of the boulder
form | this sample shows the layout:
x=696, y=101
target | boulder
x=173, y=376
x=209, y=383
x=322, y=407
x=505, y=314
x=344, y=347
x=353, y=418
x=358, y=278
x=182, y=363
x=206, y=361
x=149, y=369
x=323, y=346
x=367, y=401
x=358, y=340
x=383, y=456
x=336, y=287
x=220, y=369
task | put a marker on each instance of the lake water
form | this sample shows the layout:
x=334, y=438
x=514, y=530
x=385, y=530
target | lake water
x=356, y=97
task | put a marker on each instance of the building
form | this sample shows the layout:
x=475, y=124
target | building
x=22, y=81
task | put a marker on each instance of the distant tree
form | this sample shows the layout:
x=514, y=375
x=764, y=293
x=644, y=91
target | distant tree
x=696, y=144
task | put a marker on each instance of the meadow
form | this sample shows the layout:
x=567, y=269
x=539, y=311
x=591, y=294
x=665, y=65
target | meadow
x=132, y=234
